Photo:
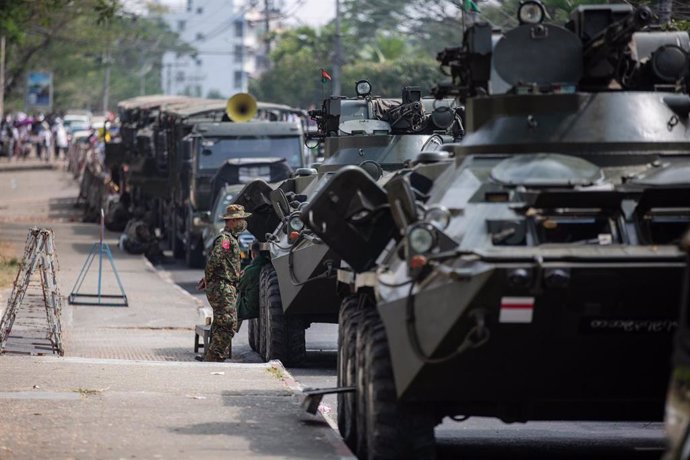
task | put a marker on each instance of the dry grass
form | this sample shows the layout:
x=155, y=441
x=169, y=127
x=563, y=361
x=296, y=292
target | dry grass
x=9, y=265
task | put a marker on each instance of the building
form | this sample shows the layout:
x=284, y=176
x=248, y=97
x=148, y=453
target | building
x=229, y=38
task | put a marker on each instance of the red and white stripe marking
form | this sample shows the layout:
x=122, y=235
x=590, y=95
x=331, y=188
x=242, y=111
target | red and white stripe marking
x=516, y=310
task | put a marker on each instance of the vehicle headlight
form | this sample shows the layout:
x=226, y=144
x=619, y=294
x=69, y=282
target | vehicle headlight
x=296, y=224
x=421, y=239
x=439, y=216
x=363, y=88
x=531, y=12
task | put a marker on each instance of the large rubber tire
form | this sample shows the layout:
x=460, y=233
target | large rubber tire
x=395, y=430
x=368, y=317
x=176, y=244
x=348, y=320
x=284, y=335
x=263, y=307
x=252, y=334
x=177, y=247
x=194, y=252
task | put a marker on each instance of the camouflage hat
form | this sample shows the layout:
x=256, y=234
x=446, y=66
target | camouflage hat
x=235, y=211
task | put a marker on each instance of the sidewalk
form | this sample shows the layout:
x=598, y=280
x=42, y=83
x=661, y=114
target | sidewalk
x=128, y=385
x=111, y=409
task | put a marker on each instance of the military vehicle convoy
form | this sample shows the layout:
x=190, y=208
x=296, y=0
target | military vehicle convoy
x=299, y=286
x=173, y=146
x=538, y=278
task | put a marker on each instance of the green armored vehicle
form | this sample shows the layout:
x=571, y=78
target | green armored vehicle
x=539, y=276
x=298, y=288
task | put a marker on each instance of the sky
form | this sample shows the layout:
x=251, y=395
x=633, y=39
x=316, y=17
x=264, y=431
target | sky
x=314, y=13
x=310, y=12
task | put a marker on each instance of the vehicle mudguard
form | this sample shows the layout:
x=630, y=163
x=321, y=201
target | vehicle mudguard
x=255, y=197
x=352, y=216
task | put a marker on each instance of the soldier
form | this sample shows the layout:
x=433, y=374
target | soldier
x=220, y=280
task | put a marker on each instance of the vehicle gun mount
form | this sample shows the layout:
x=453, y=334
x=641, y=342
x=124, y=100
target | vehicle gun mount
x=601, y=48
x=410, y=114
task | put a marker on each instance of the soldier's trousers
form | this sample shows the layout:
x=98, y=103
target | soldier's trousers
x=222, y=296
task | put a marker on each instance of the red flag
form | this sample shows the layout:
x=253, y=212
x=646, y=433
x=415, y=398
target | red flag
x=325, y=76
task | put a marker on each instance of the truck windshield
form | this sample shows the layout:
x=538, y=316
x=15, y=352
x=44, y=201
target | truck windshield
x=214, y=152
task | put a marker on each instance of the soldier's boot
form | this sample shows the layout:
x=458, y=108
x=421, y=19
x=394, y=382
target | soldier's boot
x=213, y=358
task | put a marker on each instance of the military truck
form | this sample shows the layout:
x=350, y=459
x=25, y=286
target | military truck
x=207, y=148
x=298, y=287
x=173, y=145
x=135, y=162
x=541, y=272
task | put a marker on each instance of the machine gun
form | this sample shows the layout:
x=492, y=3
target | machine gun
x=469, y=66
x=606, y=50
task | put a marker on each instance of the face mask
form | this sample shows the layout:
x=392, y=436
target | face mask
x=240, y=226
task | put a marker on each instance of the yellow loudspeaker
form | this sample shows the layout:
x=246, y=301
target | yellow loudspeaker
x=241, y=107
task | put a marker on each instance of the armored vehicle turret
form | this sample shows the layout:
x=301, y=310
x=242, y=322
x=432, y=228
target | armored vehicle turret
x=541, y=272
x=299, y=286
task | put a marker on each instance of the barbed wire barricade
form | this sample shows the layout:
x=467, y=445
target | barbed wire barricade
x=39, y=261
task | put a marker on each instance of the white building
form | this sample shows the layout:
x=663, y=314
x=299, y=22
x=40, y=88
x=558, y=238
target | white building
x=227, y=35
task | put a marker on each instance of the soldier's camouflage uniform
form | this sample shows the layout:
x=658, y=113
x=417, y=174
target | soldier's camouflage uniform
x=222, y=275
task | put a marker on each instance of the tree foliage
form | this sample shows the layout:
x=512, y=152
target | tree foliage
x=388, y=60
x=76, y=40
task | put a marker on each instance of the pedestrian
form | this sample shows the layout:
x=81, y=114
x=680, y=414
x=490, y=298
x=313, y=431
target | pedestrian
x=248, y=287
x=221, y=276
x=61, y=142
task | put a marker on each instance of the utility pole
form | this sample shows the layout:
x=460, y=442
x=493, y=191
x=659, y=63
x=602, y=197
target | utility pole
x=106, y=79
x=665, y=7
x=2, y=77
x=267, y=32
x=106, y=72
x=337, y=58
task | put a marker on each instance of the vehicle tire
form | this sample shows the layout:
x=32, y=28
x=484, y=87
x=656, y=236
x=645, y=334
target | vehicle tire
x=395, y=430
x=176, y=244
x=367, y=318
x=284, y=336
x=263, y=309
x=348, y=320
x=177, y=247
x=251, y=333
x=296, y=343
x=194, y=254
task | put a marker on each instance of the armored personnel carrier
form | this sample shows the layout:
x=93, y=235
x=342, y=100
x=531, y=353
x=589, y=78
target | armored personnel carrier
x=539, y=277
x=299, y=286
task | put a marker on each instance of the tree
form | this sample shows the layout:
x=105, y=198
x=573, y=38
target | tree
x=69, y=38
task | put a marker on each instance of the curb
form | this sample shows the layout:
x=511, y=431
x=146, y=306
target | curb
x=16, y=167
x=165, y=276
x=127, y=362
x=325, y=410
